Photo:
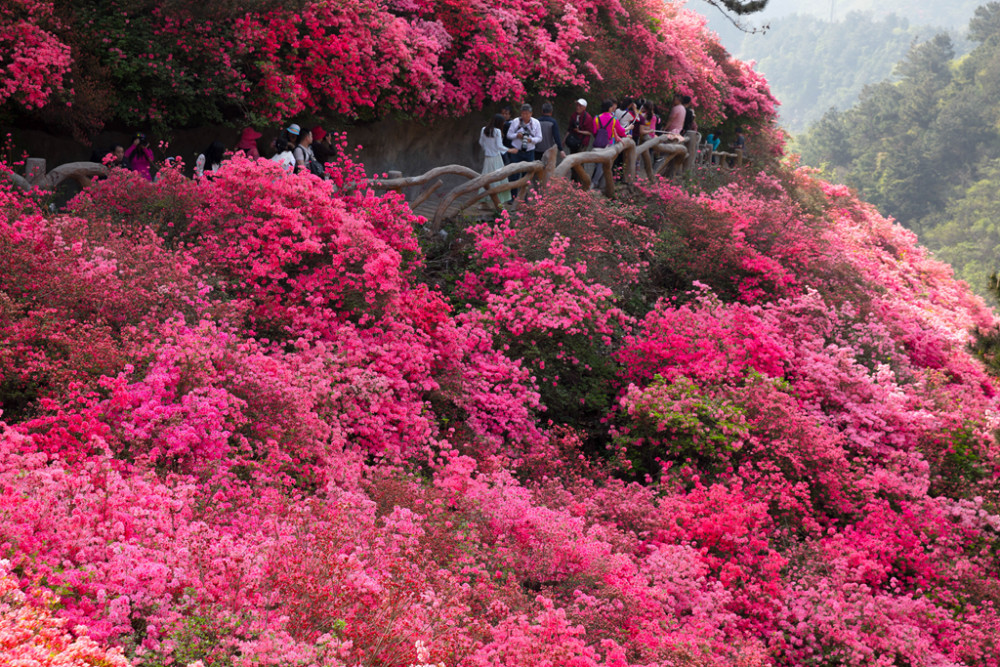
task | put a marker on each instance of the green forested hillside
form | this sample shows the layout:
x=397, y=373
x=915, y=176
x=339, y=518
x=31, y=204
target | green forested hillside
x=925, y=149
x=813, y=64
x=821, y=55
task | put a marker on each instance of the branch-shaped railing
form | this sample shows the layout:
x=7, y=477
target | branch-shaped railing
x=477, y=188
x=724, y=159
x=37, y=177
x=673, y=152
x=660, y=155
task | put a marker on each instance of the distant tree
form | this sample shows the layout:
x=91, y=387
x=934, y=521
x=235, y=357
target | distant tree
x=969, y=236
x=928, y=64
x=827, y=143
x=985, y=23
x=814, y=64
x=926, y=149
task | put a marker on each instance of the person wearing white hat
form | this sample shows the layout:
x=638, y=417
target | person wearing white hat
x=580, y=125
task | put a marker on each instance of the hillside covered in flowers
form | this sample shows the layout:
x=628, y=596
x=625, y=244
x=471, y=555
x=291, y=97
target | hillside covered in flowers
x=731, y=420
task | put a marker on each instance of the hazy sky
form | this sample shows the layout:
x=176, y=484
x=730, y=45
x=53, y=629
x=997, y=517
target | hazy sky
x=946, y=14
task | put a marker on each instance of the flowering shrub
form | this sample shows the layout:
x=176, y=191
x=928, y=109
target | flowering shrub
x=608, y=238
x=34, y=62
x=31, y=635
x=548, y=314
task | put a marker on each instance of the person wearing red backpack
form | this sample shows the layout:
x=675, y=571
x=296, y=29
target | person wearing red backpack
x=607, y=132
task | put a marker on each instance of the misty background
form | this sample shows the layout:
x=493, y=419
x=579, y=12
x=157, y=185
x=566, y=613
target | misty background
x=819, y=54
x=898, y=99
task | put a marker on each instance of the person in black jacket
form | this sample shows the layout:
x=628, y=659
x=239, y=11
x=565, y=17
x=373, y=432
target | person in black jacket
x=550, y=132
x=507, y=112
x=690, y=124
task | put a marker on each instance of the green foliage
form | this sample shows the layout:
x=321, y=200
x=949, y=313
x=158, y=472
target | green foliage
x=682, y=423
x=986, y=345
x=985, y=24
x=968, y=235
x=148, y=68
x=577, y=377
x=957, y=465
x=813, y=64
x=925, y=150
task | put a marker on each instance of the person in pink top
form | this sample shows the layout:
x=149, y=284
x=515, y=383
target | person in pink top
x=139, y=156
x=675, y=123
x=607, y=132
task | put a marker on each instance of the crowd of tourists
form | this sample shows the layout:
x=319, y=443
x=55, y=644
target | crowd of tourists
x=525, y=138
x=296, y=149
x=505, y=138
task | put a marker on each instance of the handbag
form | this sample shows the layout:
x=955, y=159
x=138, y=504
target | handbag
x=573, y=141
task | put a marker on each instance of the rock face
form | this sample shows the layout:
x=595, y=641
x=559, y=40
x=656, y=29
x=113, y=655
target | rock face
x=414, y=148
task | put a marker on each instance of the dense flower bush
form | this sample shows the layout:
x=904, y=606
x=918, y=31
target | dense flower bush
x=34, y=62
x=31, y=635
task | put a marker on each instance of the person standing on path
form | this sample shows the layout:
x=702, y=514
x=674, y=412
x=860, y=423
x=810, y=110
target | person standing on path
x=647, y=121
x=305, y=158
x=607, y=132
x=323, y=145
x=210, y=159
x=524, y=133
x=690, y=123
x=626, y=114
x=248, y=143
x=580, y=128
x=506, y=113
x=491, y=139
x=551, y=136
x=675, y=122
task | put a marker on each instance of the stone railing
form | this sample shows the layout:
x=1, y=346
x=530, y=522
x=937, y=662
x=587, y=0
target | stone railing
x=478, y=187
x=663, y=155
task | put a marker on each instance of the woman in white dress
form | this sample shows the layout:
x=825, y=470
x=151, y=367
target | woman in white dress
x=491, y=139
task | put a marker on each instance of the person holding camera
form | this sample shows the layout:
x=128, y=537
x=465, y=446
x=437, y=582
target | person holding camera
x=525, y=133
x=139, y=156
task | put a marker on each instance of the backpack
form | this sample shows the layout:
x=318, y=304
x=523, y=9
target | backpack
x=603, y=137
x=316, y=168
